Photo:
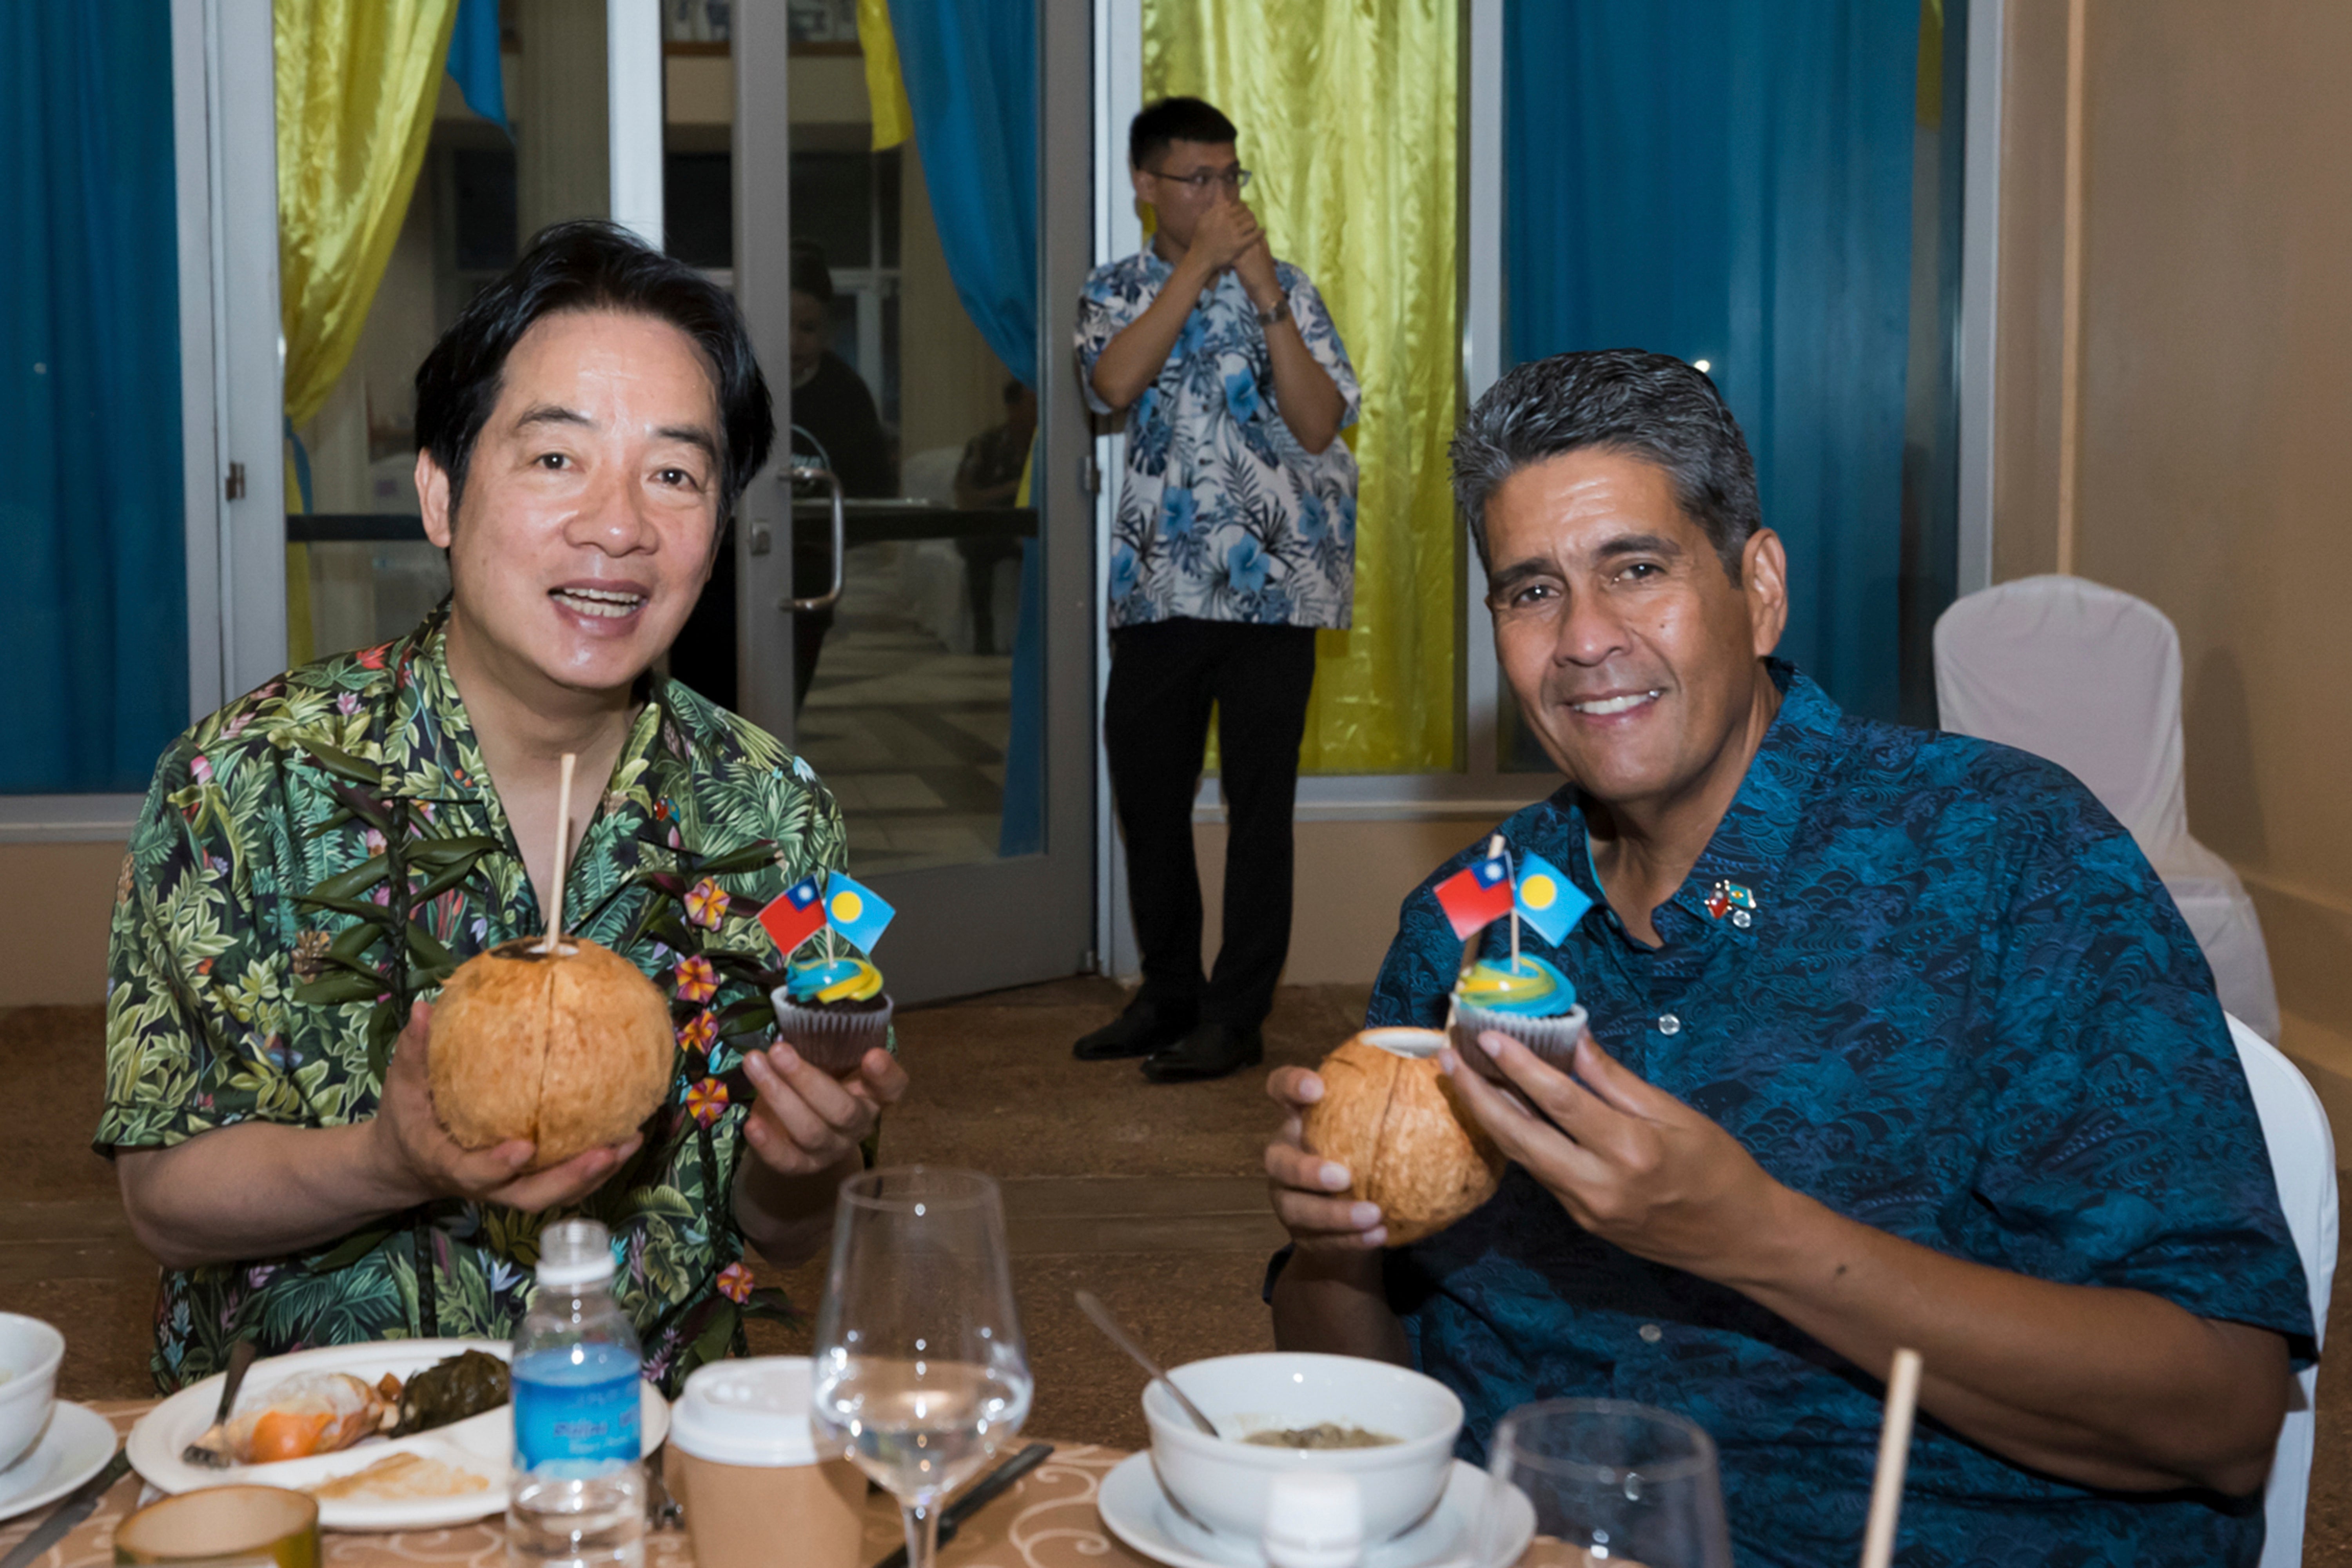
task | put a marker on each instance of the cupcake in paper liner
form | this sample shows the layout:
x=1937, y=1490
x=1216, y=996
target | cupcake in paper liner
x=833, y=1011
x=1527, y=999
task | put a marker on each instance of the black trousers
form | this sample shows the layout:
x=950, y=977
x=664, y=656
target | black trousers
x=1163, y=678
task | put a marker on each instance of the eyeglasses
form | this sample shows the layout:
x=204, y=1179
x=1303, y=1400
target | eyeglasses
x=1231, y=179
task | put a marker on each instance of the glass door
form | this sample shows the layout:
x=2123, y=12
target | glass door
x=911, y=303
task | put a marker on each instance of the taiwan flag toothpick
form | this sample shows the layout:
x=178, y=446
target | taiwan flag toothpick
x=1477, y=894
x=796, y=915
x=1546, y=899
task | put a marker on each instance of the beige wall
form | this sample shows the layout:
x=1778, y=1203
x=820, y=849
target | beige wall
x=2217, y=393
x=55, y=899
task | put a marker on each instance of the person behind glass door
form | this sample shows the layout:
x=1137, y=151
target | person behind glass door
x=989, y=476
x=1234, y=542
x=834, y=426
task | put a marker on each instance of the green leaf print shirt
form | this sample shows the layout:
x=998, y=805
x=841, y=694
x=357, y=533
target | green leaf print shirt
x=253, y=978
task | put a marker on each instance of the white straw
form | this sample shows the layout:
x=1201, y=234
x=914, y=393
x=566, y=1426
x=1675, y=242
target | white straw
x=563, y=854
x=1894, y=1451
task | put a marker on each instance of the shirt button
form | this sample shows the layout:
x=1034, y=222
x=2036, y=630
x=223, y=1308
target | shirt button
x=1742, y=919
x=1669, y=1024
x=1652, y=1333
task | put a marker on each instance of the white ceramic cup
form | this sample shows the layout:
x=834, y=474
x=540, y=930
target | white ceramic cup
x=744, y=1464
x=29, y=1352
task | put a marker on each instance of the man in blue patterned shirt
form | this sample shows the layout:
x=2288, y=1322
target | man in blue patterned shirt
x=1946, y=1072
x=1234, y=540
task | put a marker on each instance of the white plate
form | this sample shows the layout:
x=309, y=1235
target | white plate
x=76, y=1446
x=483, y=1444
x=1139, y=1514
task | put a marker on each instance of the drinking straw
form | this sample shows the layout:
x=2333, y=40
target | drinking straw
x=1894, y=1450
x=562, y=853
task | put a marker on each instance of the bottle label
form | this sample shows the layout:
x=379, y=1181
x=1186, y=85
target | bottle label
x=575, y=1423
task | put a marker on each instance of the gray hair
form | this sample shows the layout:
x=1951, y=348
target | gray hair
x=1643, y=404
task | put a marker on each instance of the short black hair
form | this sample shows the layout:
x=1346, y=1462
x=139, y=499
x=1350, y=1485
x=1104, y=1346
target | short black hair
x=809, y=275
x=591, y=265
x=1168, y=120
x=1643, y=404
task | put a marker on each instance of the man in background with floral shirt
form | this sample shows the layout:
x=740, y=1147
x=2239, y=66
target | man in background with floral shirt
x=315, y=858
x=1234, y=540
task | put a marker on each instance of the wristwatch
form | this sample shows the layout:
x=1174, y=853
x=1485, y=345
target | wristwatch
x=1278, y=312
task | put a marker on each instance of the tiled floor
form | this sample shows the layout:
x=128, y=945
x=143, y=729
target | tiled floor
x=909, y=734
x=1149, y=1197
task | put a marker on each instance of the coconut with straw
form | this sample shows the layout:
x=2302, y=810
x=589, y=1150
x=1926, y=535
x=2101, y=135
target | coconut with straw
x=554, y=1038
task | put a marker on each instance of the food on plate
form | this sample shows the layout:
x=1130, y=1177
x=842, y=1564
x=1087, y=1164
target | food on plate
x=833, y=1011
x=570, y=1049
x=1389, y=1116
x=449, y=1390
x=403, y=1478
x=316, y=1413
x=1526, y=998
x=1322, y=1434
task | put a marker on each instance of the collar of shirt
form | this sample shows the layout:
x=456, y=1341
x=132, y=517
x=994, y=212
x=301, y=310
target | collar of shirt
x=1752, y=841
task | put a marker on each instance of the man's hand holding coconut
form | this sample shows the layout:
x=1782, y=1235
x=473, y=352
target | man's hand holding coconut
x=319, y=1146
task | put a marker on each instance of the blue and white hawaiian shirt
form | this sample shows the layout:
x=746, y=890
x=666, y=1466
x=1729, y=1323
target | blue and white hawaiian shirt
x=1224, y=516
x=1962, y=1010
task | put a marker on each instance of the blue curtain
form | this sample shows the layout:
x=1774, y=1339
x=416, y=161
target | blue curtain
x=93, y=609
x=971, y=70
x=1730, y=181
x=474, y=65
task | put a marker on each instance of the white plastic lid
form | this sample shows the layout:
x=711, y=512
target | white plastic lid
x=751, y=1412
x=575, y=1252
x=1314, y=1518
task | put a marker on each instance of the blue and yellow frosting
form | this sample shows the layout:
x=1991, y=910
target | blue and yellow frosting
x=1528, y=988
x=821, y=980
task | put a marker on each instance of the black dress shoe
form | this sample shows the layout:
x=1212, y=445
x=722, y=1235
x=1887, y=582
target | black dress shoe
x=1143, y=1028
x=1212, y=1050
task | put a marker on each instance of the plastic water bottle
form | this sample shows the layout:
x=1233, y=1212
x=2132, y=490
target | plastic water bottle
x=1314, y=1518
x=578, y=1499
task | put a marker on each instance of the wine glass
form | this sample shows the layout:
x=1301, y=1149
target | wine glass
x=921, y=1375
x=1612, y=1483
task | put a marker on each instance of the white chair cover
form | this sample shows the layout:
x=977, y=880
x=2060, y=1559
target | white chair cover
x=2090, y=677
x=2302, y=1159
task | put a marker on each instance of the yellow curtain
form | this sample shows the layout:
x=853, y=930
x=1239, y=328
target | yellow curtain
x=356, y=84
x=886, y=89
x=356, y=81
x=1347, y=113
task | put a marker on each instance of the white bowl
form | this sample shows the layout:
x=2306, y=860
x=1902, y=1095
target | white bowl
x=29, y=1352
x=1223, y=1481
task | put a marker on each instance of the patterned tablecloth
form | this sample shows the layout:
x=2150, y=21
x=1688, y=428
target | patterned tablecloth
x=1047, y=1520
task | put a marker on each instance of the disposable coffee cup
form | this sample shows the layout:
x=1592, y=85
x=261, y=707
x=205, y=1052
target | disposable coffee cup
x=744, y=1465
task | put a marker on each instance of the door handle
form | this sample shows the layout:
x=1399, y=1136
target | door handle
x=832, y=596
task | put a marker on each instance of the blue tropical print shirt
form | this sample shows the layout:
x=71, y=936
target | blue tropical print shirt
x=1224, y=515
x=1963, y=1010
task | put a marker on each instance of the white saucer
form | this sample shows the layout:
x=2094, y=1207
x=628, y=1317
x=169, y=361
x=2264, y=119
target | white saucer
x=1135, y=1509
x=75, y=1446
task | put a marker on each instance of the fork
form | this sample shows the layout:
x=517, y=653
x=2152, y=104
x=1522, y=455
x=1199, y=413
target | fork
x=210, y=1451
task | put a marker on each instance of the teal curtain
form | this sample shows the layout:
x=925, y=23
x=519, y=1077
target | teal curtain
x=971, y=70
x=93, y=608
x=1731, y=181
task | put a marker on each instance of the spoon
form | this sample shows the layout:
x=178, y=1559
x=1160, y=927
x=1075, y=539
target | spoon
x=1091, y=1305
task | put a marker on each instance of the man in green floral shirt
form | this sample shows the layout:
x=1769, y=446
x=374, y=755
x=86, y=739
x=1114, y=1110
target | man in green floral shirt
x=316, y=858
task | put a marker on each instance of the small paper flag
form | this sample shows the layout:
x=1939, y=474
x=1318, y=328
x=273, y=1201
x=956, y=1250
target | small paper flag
x=1476, y=895
x=1548, y=900
x=796, y=915
x=856, y=910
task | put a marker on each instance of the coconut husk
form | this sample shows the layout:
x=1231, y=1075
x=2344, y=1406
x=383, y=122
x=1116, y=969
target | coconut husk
x=1391, y=1116
x=570, y=1049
